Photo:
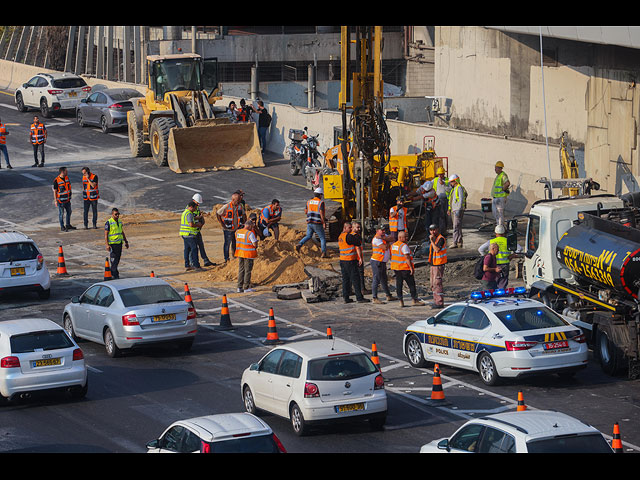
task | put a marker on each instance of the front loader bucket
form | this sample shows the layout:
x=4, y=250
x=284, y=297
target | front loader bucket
x=212, y=146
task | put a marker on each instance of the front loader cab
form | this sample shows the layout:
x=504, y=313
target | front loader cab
x=174, y=73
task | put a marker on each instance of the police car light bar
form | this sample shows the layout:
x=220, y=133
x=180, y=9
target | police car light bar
x=500, y=292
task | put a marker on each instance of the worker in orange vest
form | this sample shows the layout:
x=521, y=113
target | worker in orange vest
x=402, y=265
x=246, y=251
x=3, y=143
x=231, y=215
x=397, y=218
x=316, y=221
x=62, y=198
x=90, y=195
x=437, y=260
x=350, y=258
x=38, y=137
x=379, y=259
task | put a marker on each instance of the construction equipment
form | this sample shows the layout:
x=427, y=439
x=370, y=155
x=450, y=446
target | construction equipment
x=175, y=122
x=568, y=165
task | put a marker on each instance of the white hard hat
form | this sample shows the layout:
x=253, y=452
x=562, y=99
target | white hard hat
x=428, y=185
x=319, y=190
x=454, y=177
x=197, y=198
x=499, y=229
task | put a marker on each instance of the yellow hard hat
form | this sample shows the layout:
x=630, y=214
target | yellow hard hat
x=440, y=170
x=499, y=164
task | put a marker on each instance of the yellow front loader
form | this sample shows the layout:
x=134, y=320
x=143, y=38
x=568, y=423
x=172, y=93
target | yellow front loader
x=175, y=122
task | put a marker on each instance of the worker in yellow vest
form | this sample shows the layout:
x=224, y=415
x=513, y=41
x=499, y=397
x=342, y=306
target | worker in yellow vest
x=437, y=260
x=189, y=228
x=114, y=238
x=3, y=143
x=499, y=193
x=350, y=258
x=457, y=205
x=504, y=255
x=246, y=252
x=402, y=265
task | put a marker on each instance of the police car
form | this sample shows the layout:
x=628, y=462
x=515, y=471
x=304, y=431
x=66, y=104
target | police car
x=499, y=334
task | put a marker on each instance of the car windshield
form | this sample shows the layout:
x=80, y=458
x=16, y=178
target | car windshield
x=174, y=75
x=532, y=318
x=341, y=367
x=591, y=443
x=149, y=294
x=45, y=340
x=14, y=252
x=257, y=444
x=69, y=83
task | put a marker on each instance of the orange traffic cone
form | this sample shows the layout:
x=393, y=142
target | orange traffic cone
x=225, y=318
x=521, y=406
x=152, y=274
x=437, y=393
x=107, y=270
x=272, y=333
x=62, y=268
x=374, y=357
x=616, y=443
x=329, y=333
x=187, y=296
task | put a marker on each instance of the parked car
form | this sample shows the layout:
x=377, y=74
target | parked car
x=106, y=108
x=22, y=266
x=529, y=431
x=51, y=92
x=129, y=313
x=498, y=335
x=311, y=381
x=37, y=355
x=222, y=433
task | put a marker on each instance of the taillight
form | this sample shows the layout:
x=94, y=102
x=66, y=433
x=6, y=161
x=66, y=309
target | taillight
x=55, y=92
x=77, y=354
x=86, y=89
x=10, y=362
x=129, y=320
x=515, y=346
x=311, y=390
x=115, y=105
x=580, y=338
x=205, y=447
x=378, y=384
x=192, y=313
x=40, y=259
x=281, y=448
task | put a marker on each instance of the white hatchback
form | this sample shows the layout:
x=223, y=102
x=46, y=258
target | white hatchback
x=36, y=354
x=314, y=381
x=22, y=266
x=498, y=335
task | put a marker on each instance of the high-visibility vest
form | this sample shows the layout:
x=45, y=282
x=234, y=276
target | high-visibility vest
x=497, y=191
x=398, y=260
x=244, y=247
x=378, y=251
x=89, y=193
x=38, y=133
x=313, y=210
x=272, y=211
x=440, y=257
x=231, y=217
x=115, y=234
x=3, y=134
x=347, y=252
x=393, y=221
x=63, y=189
x=185, y=229
x=502, y=257
x=454, y=196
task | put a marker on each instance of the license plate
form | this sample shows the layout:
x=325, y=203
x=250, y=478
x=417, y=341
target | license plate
x=556, y=345
x=163, y=318
x=47, y=362
x=17, y=271
x=350, y=408
x=73, y=94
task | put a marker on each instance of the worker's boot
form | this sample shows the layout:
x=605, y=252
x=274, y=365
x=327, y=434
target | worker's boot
x=376, y=301
x=390, y=298
x=401, y=302
x=417, y=302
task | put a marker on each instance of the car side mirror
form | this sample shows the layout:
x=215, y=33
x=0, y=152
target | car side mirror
x=444, y=445
x=75, y=299
x=254, y=366
x=153, y=444
x=84, y=100
x=431, y=321
x=25, y=85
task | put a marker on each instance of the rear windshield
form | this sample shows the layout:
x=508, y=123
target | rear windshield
x=46, y=340
x=149, y=295
x=69, y=83
x=257, y=444
x=592, y=443
x=341, y=367
x=13, y=252
x=126, y=95
x=530, y=319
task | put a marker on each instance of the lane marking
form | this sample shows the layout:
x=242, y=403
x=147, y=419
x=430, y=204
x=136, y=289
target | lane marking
x=34, y=177
x=188, y=188
x=149, y=176
x=117, y=168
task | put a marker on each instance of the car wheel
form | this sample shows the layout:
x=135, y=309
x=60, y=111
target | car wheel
x=44, y=108
x=249, y=403
x=80, y=120
x=20, y=103
x=110, y=345
x=104, y=126
x=414, y=353
x=297, y=421
x=67, y=324
x=487, y=369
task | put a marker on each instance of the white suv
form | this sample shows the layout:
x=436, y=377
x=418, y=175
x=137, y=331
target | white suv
x=22, y=266
x=52, y=92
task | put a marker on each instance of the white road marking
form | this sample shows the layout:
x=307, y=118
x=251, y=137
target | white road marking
x=13, y=107
x=149, y=176
x=188, y=188
x=117, y=168
x=34, y=177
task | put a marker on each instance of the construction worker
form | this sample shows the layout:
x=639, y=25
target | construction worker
x=379, y=259
x=62, y=198
x=427, y=193
x=457, y=205
x=349, y=261
x=499, y=193
x=189, y=228
x=437, y=260
x=246, y=251
x=442, y=188
x=356, y=231
x=114, y=238
x=397, y=218
x=230, y=216
x=197, y=198
x=90, y=196
x=270, y=217
x=504, y=255
x=38, y=137
x=316, y=221
x=3, y=143
x=401, y=262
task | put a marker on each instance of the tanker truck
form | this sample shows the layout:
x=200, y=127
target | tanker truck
x=582, y=259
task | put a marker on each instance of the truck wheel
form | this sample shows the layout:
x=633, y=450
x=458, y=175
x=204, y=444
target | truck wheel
x=159, y=136
x=607, y=352
x=136, y=140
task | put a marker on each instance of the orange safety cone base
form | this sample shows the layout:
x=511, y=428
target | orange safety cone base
x=225, y=318
x=272, y=332
x=437, y=398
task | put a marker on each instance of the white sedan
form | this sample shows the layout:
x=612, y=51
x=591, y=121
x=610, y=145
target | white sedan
x=499, y=335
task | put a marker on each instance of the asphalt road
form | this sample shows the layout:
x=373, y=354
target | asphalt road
x=132, y=399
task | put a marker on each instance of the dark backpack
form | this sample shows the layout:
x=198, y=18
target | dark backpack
x=478, y=271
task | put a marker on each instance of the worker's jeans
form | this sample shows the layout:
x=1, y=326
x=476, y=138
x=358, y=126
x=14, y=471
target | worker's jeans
x=5, y=152
x=379, y=270
x=114, y=259
x=319, y=231
x=93, y=205
x=229, y=241
x=191, y=251
x=503, y=279
x=498, y=206
x=262, y=137
x=405, y=276
x=437, y=272
x=38, y=147
x=200, y=244
x=245, y=266
x=350, y=277
x=62, y=208
x=456, y=220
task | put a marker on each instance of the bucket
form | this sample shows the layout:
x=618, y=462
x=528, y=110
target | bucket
x=485, y=204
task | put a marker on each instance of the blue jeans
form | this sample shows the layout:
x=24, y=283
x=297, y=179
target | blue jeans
x=262, y=136
x=3, y=149
x=319, y=231
x=191, y=251
x=229, y=241
x=64, y=207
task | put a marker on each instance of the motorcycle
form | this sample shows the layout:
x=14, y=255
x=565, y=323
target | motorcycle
x=303, y=153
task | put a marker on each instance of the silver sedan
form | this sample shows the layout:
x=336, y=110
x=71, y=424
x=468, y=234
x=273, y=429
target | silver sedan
x=106, y=108
x=129, y=313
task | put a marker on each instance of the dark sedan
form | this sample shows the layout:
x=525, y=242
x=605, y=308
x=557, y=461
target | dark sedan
x=106, y=108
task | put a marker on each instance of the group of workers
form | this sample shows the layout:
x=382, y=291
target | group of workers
x=37, y=138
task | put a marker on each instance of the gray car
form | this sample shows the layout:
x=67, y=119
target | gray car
x=129, y=313
x=106, y=108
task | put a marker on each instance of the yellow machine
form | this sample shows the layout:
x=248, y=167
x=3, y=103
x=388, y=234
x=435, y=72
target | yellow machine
x=568, y=165
x=175, y=121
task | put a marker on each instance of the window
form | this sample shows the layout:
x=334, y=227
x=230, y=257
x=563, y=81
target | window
x=90, y=295
x=533, y=235
x=496, y=441
x=343, y=367
x=47, y=340
x=530, y=319
x=14, y=252
x=72, y=82
x=591, y=443
x=93, y=98
x=252, y=444
x=172, y=439
x=148, y=295
x=104, y=298
x=467, y=438
x=270, y=363
x=474, y=318
x=190, y=442
x=290, y=365
x=33, y=82
x=450, y=316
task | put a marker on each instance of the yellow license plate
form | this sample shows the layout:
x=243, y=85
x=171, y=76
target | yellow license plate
x=162, y=318
x=73, y=94
x=47, y=362
x=17, y=271
x=350, y=408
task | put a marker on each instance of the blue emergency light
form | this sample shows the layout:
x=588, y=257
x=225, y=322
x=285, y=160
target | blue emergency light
x=499, y=292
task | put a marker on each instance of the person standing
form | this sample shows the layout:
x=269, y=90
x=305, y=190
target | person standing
x=114, y=238
x=356, y=231
x=437, y=260
x=230, y=216
x=504, y=255
x=38, y=137
x=379, y=259
x=264, y=121
x=189, y=228
x=197, y=198
x=442, y=188
x=457, y=206
x=62, y=198
x=499, y=193
x=3, y=143
x=427, y=194
x=316, y=221
x=233, y=112
x=349, y=261
x=246, y=251
x=90, y=195
x=397, y=218
x=402, y=265
x=490, y=268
